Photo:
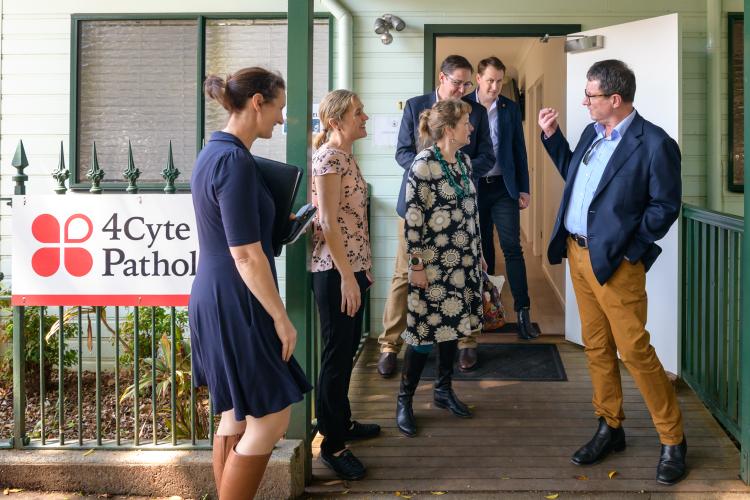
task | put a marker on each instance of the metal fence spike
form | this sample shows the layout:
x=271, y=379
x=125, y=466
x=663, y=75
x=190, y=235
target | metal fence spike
x=170, y=173
x=61, y=174
x=95, y=174
x=131, y=173
x=19, y=159
x=19, y=163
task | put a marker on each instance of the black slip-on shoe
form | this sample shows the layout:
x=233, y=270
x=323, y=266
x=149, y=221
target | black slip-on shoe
x=346, y=465
x=361, y=431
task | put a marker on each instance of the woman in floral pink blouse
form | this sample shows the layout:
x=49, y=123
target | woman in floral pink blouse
x=341, y=262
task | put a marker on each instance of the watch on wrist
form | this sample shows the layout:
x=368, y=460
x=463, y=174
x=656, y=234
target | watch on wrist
x=415, y=261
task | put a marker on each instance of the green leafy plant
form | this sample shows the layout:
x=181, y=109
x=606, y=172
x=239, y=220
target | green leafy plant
x=51, y=328
x=162, y=363
x=161, y=318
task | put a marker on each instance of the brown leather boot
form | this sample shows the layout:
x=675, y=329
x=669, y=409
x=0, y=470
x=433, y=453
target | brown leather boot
x=222, y=446
x=242, y=476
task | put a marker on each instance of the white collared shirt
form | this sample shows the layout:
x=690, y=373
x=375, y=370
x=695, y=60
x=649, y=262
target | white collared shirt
x=494, y=131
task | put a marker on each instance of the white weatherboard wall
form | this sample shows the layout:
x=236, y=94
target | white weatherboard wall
x=36, y=76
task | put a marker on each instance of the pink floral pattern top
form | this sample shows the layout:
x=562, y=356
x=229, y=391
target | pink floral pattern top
x=352, y=216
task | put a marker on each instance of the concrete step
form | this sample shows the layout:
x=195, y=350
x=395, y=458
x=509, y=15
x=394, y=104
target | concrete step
x=149, y=473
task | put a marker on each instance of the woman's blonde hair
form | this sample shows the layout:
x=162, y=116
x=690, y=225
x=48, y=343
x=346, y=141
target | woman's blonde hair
x=333, y=107
x=443, y=114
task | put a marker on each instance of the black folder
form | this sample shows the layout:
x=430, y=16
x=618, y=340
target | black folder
x=283, y=180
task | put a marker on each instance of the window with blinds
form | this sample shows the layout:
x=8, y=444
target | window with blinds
x=137, y=83
x=137, y=80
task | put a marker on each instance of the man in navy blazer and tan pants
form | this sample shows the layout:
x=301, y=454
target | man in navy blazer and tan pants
x=622, y=194
x=455, y=80
x=504, y=191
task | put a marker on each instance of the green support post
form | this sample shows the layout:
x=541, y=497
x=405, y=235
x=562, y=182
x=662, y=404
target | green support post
x=19, y=389
x=745, y=291
x=19, y=359
x=299, y=130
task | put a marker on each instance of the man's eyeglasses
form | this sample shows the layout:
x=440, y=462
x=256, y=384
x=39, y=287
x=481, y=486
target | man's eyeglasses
x=458, y=83
x=590, y=151
x=588, y=96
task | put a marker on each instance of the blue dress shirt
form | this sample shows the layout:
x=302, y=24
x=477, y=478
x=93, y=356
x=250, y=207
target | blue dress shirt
x=589, y=175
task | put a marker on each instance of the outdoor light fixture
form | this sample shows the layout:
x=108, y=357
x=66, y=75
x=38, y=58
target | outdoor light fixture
x=385, y=23
x=577, y=43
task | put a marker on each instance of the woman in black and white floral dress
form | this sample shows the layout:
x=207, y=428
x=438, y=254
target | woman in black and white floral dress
x=445, y=261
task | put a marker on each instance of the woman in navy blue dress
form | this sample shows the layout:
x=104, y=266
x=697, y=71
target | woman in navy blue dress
x=242, y=339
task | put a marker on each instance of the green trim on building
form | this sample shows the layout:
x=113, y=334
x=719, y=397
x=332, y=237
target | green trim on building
x=200, y=132
x=331, y=31
x=745, y=324
x=73, y=129
x=433, y=31
x=298, y=152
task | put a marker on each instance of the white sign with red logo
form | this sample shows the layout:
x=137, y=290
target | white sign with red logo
x=110, y=249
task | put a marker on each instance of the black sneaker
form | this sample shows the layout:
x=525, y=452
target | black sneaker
x=346, y=466
x=361, y=431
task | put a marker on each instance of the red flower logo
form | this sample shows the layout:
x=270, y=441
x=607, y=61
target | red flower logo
x=46, y=261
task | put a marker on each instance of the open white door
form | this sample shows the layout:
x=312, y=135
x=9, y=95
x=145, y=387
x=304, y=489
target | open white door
x=651, y=48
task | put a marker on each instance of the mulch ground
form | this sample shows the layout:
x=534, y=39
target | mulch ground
x=88, y=414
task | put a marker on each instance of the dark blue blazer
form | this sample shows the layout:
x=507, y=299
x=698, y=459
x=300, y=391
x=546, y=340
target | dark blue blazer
x=511, y=147
x=635, y=204
x=479, y=148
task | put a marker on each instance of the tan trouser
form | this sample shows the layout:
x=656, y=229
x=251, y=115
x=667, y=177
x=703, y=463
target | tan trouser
x=613, y=318
x=394, y=315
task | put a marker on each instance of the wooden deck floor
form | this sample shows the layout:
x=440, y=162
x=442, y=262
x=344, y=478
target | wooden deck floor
x=521, y=439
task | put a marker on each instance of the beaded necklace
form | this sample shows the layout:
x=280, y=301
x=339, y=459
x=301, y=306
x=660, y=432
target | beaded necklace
x=459, y=189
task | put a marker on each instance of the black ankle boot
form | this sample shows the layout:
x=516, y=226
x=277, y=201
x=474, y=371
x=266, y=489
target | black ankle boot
x=606, y=440
x=672, y=467
x=525, y=328
x=410, y=373
x=443, y=394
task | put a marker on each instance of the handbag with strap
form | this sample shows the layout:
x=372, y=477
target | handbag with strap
x=494, y=314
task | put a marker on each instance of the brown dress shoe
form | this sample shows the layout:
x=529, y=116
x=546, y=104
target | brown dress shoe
x=467, y=359
x=387, y=364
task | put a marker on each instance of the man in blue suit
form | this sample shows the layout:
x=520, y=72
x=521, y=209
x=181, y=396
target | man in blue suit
x=622, y=194
x=504, y=191
x=455, y=80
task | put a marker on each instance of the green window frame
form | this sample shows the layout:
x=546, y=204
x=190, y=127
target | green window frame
x=76, y=21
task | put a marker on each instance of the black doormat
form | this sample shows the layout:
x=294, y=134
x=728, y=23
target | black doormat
x=512, y=328
x=522, y=362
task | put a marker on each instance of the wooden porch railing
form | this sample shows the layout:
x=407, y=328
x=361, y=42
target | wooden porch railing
x=712, y=352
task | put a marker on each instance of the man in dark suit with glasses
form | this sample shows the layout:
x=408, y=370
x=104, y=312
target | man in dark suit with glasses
x=455, y=81
x=622, y=194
